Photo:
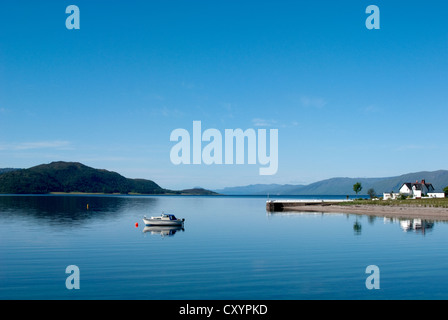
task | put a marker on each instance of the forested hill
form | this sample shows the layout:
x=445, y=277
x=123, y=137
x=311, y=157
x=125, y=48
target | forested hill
x=76, y=177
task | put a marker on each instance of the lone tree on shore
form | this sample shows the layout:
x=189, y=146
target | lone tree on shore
x=371, y=192
x=357, y=187
x=446, y=191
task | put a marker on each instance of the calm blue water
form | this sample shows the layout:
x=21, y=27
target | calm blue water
x=230, y=248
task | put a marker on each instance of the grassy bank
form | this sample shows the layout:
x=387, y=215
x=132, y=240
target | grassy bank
x=433, y=202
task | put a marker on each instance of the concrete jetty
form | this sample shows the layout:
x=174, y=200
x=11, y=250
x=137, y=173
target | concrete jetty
x=284, y=205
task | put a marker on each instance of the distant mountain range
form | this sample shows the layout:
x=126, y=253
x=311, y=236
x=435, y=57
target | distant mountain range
x=342, y=186
x=76, y=177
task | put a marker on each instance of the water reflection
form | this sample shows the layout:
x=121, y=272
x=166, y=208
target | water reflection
x=70, y=210
x=416, y=225
x=163, y=231
x=357, y=227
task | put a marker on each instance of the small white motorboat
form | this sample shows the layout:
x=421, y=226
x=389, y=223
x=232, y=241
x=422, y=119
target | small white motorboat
x=163, y=220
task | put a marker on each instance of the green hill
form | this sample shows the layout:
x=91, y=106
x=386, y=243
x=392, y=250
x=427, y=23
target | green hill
x=73, y=177
x=197, y=191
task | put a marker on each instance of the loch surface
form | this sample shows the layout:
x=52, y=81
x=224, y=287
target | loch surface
x=229, y=248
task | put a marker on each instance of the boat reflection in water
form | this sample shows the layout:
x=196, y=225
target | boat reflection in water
x=416, y=225
x=163, y=231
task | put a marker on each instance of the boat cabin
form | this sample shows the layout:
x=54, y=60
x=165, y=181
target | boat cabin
x=169, y=216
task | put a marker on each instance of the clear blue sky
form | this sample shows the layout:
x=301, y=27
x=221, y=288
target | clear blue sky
x=347, y=101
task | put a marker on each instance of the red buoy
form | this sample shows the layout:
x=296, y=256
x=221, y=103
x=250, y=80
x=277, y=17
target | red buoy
x=136, y=224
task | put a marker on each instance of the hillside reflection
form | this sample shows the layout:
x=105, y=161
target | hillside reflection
x=70, y=209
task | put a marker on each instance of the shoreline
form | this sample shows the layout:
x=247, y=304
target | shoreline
x=107, y=194
x=404, y=212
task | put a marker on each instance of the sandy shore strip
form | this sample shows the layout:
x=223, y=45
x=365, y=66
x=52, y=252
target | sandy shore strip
x=404, y=212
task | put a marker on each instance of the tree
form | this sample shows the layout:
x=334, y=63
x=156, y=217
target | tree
x=371, y=193
x=357, y=187
x=446, y=191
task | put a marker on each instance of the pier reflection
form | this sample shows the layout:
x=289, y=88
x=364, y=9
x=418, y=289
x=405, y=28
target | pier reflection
x=163, y=231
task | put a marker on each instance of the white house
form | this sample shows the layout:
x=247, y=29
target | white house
x=416, y=189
